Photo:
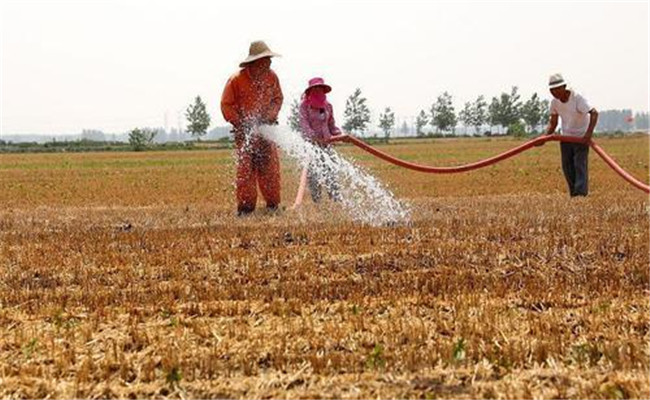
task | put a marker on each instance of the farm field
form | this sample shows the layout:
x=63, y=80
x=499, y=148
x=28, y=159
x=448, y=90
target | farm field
x=128, y=275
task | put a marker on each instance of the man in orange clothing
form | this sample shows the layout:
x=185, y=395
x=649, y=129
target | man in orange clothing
x=252, y=97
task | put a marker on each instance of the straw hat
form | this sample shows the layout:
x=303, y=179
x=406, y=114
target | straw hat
x=555, y=81
x=313, y=82
x=257, y=50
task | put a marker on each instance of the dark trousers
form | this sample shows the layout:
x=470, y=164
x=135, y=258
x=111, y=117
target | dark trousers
x=575, y=158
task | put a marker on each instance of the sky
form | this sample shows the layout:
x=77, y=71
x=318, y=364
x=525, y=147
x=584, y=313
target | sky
x=115, y=65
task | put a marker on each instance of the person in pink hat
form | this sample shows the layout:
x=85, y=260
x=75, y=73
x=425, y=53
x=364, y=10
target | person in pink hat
x=317, y=126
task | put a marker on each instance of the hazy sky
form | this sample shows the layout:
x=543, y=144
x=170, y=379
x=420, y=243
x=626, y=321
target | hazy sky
x=115, y=65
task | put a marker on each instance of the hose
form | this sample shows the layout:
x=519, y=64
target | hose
x=495, y=159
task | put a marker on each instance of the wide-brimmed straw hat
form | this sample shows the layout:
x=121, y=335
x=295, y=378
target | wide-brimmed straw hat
x=313, y=82
x=555, y=81
x=257, y=50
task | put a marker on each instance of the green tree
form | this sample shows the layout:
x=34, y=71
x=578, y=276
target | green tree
x=432, y=116
x=386, y=122
x=294, y=116
x=420, y=122
x=141, y=138
x=357, y=114
x=505, y=109
x=198, y=118
x=480, y=115
x=466, y=115
x=512, y=107
x=517, y=129
x=474, y=114
x=545, y=114
x=444, y=115
x=532, y=111
x=494, y=113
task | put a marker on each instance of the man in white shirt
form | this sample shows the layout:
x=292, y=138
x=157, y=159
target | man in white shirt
x=578, y=120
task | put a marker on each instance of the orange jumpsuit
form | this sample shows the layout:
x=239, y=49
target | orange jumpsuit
x=246, y=103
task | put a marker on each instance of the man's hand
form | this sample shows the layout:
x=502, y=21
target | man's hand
x=341, y=137
x=552, y=124
x=541, y=142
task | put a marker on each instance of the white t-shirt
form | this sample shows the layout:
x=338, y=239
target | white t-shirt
x=574, y=114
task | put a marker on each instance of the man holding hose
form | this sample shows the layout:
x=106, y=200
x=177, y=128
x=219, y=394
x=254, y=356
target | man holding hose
x=578, y=120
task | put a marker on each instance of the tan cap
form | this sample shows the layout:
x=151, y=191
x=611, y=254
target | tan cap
x=257, y=50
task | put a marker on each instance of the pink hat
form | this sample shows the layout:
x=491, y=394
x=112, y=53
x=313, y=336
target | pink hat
x=313, y=82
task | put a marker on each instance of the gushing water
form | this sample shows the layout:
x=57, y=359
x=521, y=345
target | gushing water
x=360, y=194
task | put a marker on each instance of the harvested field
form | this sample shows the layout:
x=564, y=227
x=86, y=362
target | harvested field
x=127, y=275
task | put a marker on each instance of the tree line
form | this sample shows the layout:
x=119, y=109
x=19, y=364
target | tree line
x=198, y=122
x=507, y=113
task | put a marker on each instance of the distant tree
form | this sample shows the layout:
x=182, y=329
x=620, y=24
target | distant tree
x=494, y=113
x=480, y=114
x=294, y=116
x=474, y=114
x=432, y=116
x=505, y=109
x=404, y=130
x=386, y=122
x=516, y=129
x=545, y=114
x=420, y=122
x=466, y=115
x=512, y=108
x=532, y=112
x=140, y=138
x=198, y=118
x=357, y=114
x=444, y=115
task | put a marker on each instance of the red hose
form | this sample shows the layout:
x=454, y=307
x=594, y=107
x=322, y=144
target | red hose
x=610, y=161
x=492, y=160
